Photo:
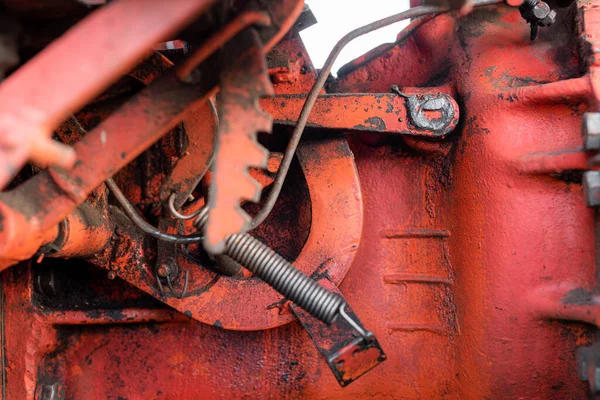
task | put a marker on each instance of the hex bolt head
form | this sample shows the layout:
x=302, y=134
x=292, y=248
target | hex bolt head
x=590, y=129
x=591, y=188
x=550, y=19
x=541, y=10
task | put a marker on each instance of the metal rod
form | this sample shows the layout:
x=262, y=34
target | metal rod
x=176, y=213
x=364, y=334
x=145, y=226
x=318, y=86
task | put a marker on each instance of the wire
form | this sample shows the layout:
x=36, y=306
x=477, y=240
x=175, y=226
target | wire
x=320, y=82
x=145, y=226
x=176, y=213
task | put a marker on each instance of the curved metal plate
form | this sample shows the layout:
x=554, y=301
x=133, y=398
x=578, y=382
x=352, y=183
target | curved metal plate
x=336, y=201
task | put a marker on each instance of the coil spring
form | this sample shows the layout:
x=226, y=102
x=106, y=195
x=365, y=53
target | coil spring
x=284, y=277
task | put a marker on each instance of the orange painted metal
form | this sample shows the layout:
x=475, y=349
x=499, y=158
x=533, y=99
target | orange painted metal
x=59, y=192
x=244, y=80
x=370, y=113
x=213, y=44
x=201, y=126
x=87, y=231
x=471, y=255
x=149, y=115
x=31, y=111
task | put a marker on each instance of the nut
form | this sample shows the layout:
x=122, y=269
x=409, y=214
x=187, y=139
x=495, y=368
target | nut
x=541, y=10
x=550, y=19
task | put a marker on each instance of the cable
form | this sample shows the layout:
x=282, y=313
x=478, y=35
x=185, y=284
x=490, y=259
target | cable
x=176, y=213
x=320, y=82
x=143, y=225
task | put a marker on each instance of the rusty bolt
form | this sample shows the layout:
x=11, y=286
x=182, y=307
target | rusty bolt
x=590, y=129
x=591, y=188
x=163, y=271
x=274, y=162
x=111, y=275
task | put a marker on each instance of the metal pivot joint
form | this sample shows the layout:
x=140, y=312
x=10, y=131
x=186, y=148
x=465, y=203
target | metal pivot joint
x=429, y=112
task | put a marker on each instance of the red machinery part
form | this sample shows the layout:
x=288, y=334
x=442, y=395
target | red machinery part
x=474, y=264
x=131, y=129
x=248, y=304
x=72, y=77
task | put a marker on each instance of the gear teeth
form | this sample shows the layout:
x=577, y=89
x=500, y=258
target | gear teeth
x=242, y=85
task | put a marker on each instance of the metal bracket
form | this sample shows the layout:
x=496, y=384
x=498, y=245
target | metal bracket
x=349, y=356
x=423, y=113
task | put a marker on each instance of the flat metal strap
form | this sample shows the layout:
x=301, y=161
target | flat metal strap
x=348, y=355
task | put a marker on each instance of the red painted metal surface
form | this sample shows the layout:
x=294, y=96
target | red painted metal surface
x=75, y=69
x=472, y=258
x=243, y=83
x=59, y=192
x=27, y=224
x=249, y=304
x=378, y=113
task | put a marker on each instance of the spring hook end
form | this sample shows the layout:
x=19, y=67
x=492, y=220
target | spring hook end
x=366, y=335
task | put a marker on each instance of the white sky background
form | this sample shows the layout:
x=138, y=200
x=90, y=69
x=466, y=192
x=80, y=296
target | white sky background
x=338, y=17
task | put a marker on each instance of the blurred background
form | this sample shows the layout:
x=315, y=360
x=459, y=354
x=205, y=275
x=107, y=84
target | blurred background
x=338, y=17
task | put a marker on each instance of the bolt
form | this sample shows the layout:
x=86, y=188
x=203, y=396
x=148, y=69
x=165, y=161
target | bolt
x=163, y=271
x=537, y=13
x=550, y=19
x=274, y=162
x=418, y=106
x=540, y=11
x=590, y=129
x=591, y=188
x=111, y=275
